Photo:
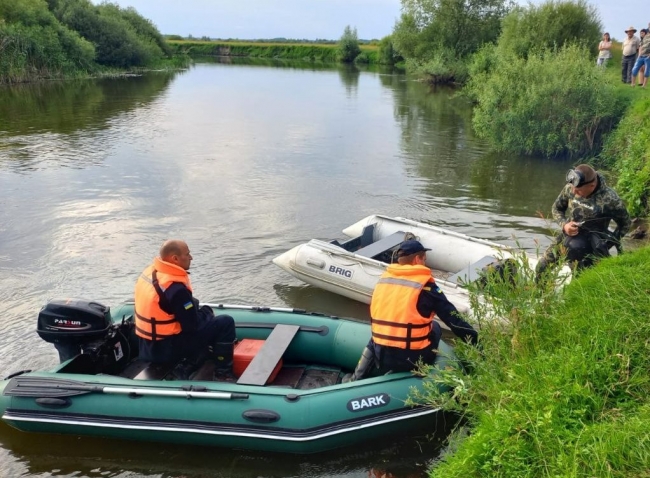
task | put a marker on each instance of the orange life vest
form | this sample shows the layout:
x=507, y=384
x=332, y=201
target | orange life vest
x=151, y=321
x=396, y=321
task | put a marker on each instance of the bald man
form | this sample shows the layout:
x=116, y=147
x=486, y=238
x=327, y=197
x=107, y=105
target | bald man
x=169, y=323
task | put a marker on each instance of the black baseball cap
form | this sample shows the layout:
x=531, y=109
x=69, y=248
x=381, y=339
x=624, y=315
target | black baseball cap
x=411, y=247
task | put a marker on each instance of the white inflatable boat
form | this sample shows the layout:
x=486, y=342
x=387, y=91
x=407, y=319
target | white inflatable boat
x=352, y=268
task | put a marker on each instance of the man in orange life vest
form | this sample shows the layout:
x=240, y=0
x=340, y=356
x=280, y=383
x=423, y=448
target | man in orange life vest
x=169, y=323
x=404, y=304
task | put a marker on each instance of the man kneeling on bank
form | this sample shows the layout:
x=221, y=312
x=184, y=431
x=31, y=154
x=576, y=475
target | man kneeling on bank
x=403, y=306
x=169, y=323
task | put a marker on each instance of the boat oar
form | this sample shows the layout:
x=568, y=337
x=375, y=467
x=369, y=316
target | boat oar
x=58, y=387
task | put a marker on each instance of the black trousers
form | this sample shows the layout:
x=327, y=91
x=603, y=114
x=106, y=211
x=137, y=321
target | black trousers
x=626, y=68
x=210, y=331
x=393, y=359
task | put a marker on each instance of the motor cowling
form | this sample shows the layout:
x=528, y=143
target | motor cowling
x=73, y=321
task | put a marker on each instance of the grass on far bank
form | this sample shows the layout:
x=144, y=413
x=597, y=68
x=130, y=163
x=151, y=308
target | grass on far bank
x=564, y=389
x=288, y=51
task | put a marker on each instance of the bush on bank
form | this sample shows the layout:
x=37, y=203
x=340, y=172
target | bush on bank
x=388, y=54
x=55, y=38
x=33, y=43
x=563, y=389
x=552, y=24
x=553, y=103
x=122, y=37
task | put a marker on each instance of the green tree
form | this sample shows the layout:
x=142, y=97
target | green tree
x=453, y=28
x=348, y=46
x=550, y=25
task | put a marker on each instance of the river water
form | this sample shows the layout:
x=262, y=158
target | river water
x=243, y=161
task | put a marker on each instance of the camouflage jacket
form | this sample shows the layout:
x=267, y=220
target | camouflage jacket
x=597, y=210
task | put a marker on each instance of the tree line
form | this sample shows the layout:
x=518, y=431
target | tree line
x=54, y=38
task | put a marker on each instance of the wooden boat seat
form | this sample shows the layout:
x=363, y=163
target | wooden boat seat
x=262, y=365
x=472, y=271
x=382, y=245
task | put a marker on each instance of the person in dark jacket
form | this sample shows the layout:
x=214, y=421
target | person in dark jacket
x=169, y=322
x=403, y=306
x=584, y=210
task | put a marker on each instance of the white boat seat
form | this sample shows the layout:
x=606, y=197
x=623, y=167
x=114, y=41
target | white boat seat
x=472, y=271
x=382, y=245
x=262, y=365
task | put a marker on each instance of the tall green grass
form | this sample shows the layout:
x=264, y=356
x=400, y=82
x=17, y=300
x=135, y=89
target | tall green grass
x=627, y=151
x=562, y=388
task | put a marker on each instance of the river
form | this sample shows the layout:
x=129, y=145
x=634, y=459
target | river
x=243, y=161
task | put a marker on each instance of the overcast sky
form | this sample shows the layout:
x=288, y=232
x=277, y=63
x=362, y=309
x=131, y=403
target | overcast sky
x=311, y=19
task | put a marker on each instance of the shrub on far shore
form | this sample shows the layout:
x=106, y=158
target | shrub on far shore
x=348, y=46
x=554, y=103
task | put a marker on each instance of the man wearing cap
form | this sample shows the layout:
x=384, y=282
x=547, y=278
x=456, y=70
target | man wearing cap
x=630, y=49
x=584, y=210
x=643, y=59
x=404, y=304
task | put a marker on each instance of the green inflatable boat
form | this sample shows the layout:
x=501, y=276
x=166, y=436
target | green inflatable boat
x=289, y=398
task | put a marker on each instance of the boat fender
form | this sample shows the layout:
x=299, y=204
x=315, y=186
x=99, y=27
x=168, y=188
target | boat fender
x=261, y=416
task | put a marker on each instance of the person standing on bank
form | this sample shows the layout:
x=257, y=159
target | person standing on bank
x=604, y=50
x=584, y=209
x=403, y=306
x=642, y=63
x=630, y=49
x=169, y=323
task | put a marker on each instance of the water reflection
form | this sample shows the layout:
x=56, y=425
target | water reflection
x=349, y=74
x=62, y=122
x=459, y=182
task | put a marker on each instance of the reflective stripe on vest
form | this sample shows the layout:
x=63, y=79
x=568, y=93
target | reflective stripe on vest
x=395, y=320
x=152, y=321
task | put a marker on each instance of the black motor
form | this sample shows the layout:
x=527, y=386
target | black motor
x=73, y=321
x=74, y=326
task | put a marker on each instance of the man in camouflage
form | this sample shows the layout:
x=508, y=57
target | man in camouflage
x=584, y=210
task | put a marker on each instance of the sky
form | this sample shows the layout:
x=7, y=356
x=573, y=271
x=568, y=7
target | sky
x=325, y=19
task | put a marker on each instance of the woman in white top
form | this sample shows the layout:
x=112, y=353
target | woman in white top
x=604, y=50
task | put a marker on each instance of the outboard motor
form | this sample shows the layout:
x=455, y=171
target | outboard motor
x=78, y=326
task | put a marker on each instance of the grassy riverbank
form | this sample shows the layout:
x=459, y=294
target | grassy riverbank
x=288, y=51
x=565, y=389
